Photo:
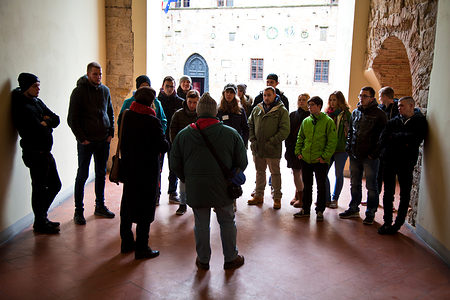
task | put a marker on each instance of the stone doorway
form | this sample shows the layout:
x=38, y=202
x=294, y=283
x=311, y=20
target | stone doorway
x=197, y=68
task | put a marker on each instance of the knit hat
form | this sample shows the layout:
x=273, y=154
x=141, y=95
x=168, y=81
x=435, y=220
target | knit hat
x=273, y=77
x=141, y=79
x=242, y=86
x=206, y=106
x=230, y=86
x=145, y=95
x=185, y=78
x=26, y=80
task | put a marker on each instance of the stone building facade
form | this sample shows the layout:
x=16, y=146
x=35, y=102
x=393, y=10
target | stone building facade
x=400, y=50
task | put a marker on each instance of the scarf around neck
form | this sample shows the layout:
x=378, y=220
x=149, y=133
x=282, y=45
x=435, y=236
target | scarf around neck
x=142, y=109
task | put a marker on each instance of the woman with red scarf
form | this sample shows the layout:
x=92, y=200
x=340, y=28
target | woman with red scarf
x=142, y=142
x=339, y=111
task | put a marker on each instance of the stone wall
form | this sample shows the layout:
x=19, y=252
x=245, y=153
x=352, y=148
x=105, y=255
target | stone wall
x=119, y=53
x=413, y=22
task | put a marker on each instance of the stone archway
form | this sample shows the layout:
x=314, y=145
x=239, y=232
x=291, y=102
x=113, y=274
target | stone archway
x=392, y=68
x=197, y=68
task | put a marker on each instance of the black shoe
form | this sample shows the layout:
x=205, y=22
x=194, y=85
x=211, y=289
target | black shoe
x=201, y=266
x=173, y=198
x=368, y=220
x=181, y=210
x=234, y=264
x=53, y=224
x=349, y=214
x=78, y=218
x=127, y=247
x=385, y=229
x=45, y=229
x=146, y=253
x=103, y=211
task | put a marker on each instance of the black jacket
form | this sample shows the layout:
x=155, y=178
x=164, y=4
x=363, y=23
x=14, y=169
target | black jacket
x=260, y=98
x=170, y=105
x=91, y=115
x=180, y=119
x=27, y=115
x=296, y=119
x=391, y=111
x=401, y=138
x=366, y=125
x=236, y=121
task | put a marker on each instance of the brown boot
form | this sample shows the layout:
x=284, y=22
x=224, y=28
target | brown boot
x=299, y=201
x=276, y=203
x=295, y=198
x=255, y=201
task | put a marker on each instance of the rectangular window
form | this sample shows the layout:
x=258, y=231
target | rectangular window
x=186, y=3
x=321, y=70
x=229, y=2
x=323, y=33
x=178, y=3
x=220, y=3
x=256, y=68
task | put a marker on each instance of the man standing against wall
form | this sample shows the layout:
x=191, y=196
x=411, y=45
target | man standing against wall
x=91, y=119
x=35, y=123
x=366, y=124
x=269, y=127
x=400, y=142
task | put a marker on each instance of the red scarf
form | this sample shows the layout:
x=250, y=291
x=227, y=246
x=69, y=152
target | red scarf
x=142, y=109
x=205, y=122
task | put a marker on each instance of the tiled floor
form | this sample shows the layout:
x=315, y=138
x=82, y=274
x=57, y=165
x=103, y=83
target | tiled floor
x=285, y=258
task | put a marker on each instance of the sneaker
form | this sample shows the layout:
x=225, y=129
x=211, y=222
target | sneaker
x=103, y=211
x=302, y=214
x=255, y=201
x=368, y=220
x=319, y=217
x=78, y=218
x=173, y=198
x=45, y=229
x=333, y=205
x=201, y=266
x=349, y=214
x=234, y=264
x=146, y=253
x=386, y=229
x=276, y=203
x=181, y=210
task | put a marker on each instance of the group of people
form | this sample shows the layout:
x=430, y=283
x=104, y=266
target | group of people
x=381, y=140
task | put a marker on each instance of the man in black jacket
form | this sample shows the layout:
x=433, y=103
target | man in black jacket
x=91, y=119
x=35, y=123
x=366, y=124
x=400, y=143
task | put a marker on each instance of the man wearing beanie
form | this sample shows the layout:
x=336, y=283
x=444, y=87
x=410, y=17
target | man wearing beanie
x=269, y=127
x=184, y=87
x=272, y=80
x=35, y=123
x=91, y=119
x=141, y=81
x=206, y=187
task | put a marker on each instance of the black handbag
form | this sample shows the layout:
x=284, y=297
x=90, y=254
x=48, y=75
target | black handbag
x=116, y=172
x=234, y=190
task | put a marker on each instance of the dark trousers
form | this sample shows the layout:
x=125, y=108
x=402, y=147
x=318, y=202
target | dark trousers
x=100, y=151
x=404, y=172
x=45, y=183
x=142, y=233
x=320, y=171
x=173, y=179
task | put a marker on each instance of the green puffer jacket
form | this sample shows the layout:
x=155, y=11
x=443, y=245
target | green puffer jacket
x=193, y=163
x=268, y=130
x=316, y=138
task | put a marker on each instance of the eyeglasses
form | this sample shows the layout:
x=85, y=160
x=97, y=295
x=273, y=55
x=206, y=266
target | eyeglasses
x=363, y=96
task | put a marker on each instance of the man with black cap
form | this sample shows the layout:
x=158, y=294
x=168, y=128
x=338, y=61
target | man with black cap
x=35, y=123
x=91, y=119
x=206, y=187
x=272, y=80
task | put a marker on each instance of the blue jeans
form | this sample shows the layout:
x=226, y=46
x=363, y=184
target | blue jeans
x=100, y=151
x=228, y=231
x=370, y=167
x=339, y=159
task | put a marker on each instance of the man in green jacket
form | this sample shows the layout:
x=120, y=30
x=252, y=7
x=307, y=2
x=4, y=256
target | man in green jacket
x=316, y=143
x=269, y=127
